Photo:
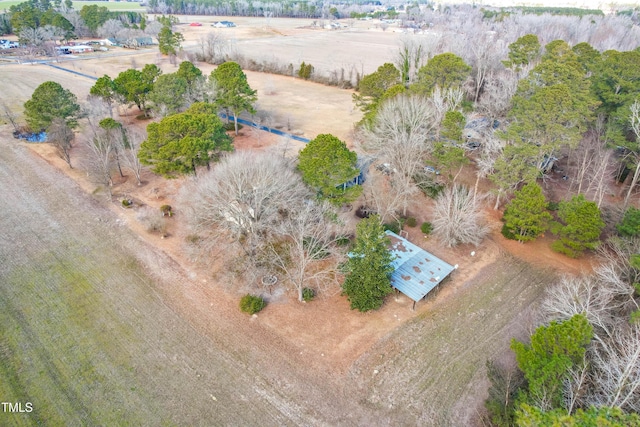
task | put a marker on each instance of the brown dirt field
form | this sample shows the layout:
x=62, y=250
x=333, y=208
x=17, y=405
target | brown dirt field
x=324, y=344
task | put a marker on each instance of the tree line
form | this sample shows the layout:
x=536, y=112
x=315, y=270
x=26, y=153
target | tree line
x=41, y=24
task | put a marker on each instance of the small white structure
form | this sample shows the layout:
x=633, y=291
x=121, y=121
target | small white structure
x=223, y=24
x=66, y=50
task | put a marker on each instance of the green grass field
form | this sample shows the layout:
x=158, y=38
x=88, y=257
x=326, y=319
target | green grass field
x=77, y=5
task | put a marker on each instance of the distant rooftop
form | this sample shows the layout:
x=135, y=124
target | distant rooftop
x=417, y=272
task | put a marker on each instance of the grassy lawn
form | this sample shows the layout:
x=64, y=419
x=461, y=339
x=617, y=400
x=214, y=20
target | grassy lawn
x=77, y=5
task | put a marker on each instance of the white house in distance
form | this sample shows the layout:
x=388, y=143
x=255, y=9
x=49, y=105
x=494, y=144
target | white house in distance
x=223, y=24
x=66, y=50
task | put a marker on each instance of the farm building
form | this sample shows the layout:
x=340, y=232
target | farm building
x=416, y=271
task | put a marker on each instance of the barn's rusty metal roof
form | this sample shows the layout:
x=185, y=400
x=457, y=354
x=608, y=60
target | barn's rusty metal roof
x=417, y=271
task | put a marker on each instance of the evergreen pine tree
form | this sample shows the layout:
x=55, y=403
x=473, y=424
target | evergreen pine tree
x=369, y=267
x=526, y=216
x=583, y=225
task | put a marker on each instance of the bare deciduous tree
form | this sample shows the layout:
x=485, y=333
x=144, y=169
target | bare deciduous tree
x=443, y=101
x=457, y=217
x=610, y=375
x=499, y=88
x=591, y=166
x=110, y=28
x=381, y=195
x=11, y=116
x=579, y=295
x=576, y=384
x=60, y=135
x=490, y=151
x=34, y=36
x=400, y=138
x=153, y=28
x=246, y=194
x=484, y=52
x=80, y=28
x=305, y=247
x=634, y=124
x=99, y=156
x=128, y=150
x=214, y=47
x=617, y=370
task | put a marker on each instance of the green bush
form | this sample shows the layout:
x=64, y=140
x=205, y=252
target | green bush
x=567, y=250
x=305, y=71
x=426, y=228
x=507, y=233
x=127, y=203
x=630, y=225
x=166, y=210
x=553, y=206
x=411, y=222
x=252, y=304
x=430, y=189
x=394, y=227
x=343, y=241
x=231, y=126
x=308, y=294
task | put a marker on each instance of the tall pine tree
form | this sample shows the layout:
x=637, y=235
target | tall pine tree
x=526, y=216
x=582, y=226
x=369, y=267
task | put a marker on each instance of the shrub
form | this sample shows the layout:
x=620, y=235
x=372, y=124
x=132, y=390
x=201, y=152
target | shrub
x=394, y=227
x=231, y=126
x=192, y=239
x=343, y=241
x=426, y=228
x=411, y=222
x=252, y=304
x=305, y=71
x=363, y=212
x=166, y=210
x=153, y=221
x=553, y=206
x=308, y=294
x=430, y=188
x=507, y=233
x=630, y=224
x=126, y=203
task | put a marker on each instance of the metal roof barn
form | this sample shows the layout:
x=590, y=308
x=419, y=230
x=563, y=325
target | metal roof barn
x=416, y=271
